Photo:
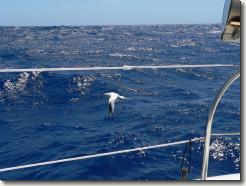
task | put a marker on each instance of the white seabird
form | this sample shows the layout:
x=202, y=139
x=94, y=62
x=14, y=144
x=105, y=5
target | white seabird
x=111, y=102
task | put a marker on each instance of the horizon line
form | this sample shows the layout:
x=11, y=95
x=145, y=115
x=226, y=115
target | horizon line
x=78, y=25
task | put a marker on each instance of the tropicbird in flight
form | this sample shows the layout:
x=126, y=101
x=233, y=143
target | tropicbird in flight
x=111, y=102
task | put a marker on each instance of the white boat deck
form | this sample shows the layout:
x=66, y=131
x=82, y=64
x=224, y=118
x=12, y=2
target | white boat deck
x=226, y=177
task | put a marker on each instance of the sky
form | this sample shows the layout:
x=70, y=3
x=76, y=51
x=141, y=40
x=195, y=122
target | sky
x=109, y=12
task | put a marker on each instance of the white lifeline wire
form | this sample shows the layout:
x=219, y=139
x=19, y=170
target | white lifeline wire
x=226, y=134
x=124, y=67
x=111, y=153
x=99, y=155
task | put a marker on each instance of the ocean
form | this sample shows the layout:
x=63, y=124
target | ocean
x=53, y=115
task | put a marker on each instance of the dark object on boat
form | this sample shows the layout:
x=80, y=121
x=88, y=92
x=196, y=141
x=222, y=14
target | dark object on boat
x=231, y=21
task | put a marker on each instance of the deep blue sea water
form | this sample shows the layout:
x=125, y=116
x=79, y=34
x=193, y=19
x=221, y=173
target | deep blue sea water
x=53, y=115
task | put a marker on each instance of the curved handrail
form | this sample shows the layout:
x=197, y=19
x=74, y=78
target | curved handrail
x=210, y=121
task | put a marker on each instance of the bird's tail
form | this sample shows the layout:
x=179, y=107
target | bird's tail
x=123, y=97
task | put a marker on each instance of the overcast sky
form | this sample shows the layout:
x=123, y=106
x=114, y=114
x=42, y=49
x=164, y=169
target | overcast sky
x=109, y=12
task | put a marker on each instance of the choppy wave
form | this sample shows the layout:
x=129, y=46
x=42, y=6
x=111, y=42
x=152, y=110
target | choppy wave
x=12, y=90
x=222, y=149
x=215, y=32
x=184, y=43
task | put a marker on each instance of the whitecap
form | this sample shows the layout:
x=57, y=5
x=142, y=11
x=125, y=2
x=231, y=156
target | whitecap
x=222, y=149
x=120, y=55
x=215, y=32
x=132, y=49
x=81, y=84
x=18, y=86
